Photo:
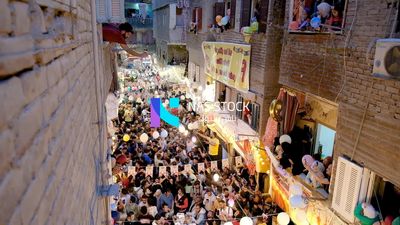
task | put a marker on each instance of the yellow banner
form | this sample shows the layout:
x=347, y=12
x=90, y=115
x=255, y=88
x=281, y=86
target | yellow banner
x=228, y=63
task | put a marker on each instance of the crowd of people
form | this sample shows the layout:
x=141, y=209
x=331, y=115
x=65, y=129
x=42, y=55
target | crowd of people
x=175, y=197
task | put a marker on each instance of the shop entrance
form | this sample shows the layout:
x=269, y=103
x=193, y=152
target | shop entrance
x=324, y=141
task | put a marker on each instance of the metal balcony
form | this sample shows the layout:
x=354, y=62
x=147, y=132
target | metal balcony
x=139, y=23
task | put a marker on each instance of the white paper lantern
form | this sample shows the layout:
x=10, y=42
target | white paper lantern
x=216, y=177
x=297, y=201
x=156, y=134
x=181, y=128
x=246, y=221
x=283, y=218
x=285, y=138
x=144, y=138
x=164, y=133
x=194, y=139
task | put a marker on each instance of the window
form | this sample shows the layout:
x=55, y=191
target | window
x=324, y=141
x=223, y=9
x=230, y=11
x=317, y=15
x=255, y=116
x=239, y=114
x=245, y=13
x=255, y=11
x=385, y=197
x=197, y=19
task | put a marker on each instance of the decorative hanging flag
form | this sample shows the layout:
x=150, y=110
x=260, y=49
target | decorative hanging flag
x=214, y=165
x=188, y=168
x=162, y=171
x=174, y=170
x=200, y=167
x=225, y=163
x=239, y=161
x=149, y=171
x=131, y=171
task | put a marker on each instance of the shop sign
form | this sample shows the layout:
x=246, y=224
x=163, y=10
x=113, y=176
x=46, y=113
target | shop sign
x=228, y=63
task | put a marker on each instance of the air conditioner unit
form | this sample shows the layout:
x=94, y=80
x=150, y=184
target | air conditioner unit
x=387, y=59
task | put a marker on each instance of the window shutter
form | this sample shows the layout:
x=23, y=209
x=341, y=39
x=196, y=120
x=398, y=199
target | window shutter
x=239, y=114
x=117, y=11
x=245, y=15
x=233, y=10
x=347, y=187
x=101, y=11
x=262, y=25
x=199, y=18
x=255, y=116
x=219, y=9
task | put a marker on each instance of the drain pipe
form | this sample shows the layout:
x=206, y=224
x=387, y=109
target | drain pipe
x=100, y=112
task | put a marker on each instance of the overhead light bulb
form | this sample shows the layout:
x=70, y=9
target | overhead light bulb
x=216, y=177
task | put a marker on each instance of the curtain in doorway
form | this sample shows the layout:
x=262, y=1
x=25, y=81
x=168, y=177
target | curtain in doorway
x=290, y=106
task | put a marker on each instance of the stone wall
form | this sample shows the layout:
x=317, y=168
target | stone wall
x=338, y=67
x=49, y=114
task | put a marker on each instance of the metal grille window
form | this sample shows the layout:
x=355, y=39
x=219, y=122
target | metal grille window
x=239, y=114
x=255, y=116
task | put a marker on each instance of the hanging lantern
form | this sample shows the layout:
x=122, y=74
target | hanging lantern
x=181, y=128
x=144, y=138
x=275, y=109
x=164, y=133
x=126, y=137
x=246, y=221
x=283, y=218
x=156, y=134
x=216, y=177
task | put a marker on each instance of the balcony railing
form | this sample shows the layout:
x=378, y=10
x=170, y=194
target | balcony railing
x=140, y=22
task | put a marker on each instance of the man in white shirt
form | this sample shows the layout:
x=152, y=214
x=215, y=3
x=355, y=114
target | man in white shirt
x=209, y=199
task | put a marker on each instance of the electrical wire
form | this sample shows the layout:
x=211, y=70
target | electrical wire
x=362, y=120
x=344, y=51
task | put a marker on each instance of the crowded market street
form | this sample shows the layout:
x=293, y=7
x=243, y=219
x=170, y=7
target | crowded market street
x=172, y=175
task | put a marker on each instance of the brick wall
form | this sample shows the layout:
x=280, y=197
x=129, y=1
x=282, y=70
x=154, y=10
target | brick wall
x=315, y=64
x=49, y=132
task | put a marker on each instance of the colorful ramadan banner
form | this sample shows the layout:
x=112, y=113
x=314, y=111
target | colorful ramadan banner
x=228, y=63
